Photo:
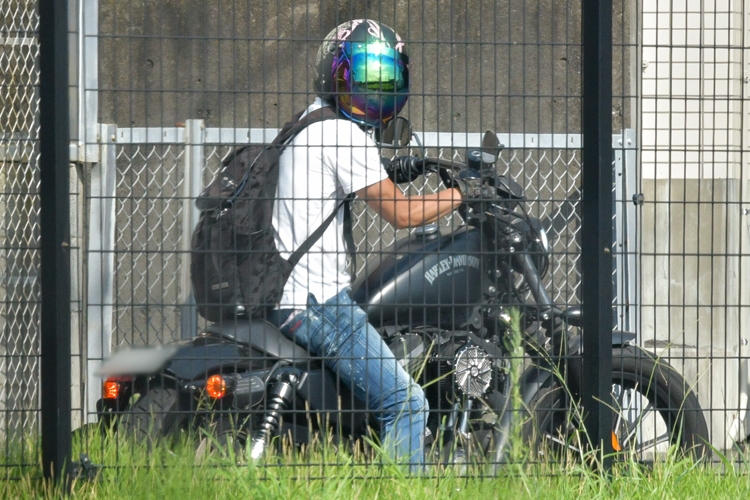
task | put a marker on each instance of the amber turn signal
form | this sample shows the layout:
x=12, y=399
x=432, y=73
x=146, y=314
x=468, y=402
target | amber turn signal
x=216, y=387
x=615, y=442
x=110, y=389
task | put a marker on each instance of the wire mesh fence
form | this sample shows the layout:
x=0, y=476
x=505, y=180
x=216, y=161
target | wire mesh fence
x=19, y=231
x=147, y=211
x=148, y=195
x=179, y=86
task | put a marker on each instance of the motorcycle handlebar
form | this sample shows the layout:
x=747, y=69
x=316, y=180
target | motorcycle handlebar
x=403, y=169
x=407, y=168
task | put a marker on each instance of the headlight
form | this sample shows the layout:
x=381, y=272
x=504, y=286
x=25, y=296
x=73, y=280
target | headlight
x=542, y=249
x=544, y=241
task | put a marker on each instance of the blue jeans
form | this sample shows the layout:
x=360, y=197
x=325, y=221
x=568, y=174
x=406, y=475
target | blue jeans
x=338, y=332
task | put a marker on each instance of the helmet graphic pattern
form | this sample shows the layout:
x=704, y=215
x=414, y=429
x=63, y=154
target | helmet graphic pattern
x=362, y=68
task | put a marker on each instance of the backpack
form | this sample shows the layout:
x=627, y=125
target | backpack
x=235, y=268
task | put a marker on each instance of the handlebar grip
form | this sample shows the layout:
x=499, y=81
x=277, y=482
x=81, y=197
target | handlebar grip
x=404, y=168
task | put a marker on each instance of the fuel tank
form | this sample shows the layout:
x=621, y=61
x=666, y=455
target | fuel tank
x=433, y=280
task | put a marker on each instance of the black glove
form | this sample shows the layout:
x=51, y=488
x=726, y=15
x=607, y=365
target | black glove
x=403, y=168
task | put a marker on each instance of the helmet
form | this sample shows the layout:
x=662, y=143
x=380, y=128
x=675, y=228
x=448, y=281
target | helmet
x=362, y=69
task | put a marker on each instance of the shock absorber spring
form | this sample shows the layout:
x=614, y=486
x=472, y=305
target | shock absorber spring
x=278, y=401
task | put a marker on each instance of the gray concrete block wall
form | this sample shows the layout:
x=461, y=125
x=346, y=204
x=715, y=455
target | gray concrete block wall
x=510, y=65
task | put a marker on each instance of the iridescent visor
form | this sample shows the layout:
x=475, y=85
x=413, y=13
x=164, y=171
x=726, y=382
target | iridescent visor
x=379, y=81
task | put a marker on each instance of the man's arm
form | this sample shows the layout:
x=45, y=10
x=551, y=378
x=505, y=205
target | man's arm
x=409, y=211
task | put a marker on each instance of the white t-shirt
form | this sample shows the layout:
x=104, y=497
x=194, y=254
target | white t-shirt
x=323, y=163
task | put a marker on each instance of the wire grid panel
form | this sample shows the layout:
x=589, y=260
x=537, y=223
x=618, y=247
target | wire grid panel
x=19, y=232
x=551, y=180
x=148, y=212
x=551, y=183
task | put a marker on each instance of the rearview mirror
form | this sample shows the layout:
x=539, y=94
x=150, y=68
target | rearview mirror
x=490, y=147
x=397, y=134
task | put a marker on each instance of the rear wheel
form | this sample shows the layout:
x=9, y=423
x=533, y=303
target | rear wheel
x=653, y=411
x=225, y=436
x=152, y=416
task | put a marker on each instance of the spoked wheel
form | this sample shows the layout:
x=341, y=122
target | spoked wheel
x=653, y=411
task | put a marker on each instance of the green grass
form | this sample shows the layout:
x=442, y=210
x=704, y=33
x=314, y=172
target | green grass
x=141, y=472
x=135, y=471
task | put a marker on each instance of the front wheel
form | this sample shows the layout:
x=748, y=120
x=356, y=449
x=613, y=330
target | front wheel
x=653, y=408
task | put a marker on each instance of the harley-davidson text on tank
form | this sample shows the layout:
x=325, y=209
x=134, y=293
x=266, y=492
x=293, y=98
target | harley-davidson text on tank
x=451, y=265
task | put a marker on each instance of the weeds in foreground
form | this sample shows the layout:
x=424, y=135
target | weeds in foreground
x=322, y=471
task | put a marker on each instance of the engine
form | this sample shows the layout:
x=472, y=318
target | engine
x=458, y=367
x=450, y=365
x=473, y=370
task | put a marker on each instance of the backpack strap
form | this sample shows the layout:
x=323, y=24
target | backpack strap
x=290, y=129
x=310, y=241
x=351, y=248
x=298, y=123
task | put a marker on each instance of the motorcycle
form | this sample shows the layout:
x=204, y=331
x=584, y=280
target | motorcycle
x=444, y=302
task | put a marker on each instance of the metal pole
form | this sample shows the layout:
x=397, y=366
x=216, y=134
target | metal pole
x=101, y=265
x=596, y=231
x=88, y=79
x=54, y=221
x=195, y=138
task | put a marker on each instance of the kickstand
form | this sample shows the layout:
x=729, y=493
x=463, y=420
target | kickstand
x=84, y=469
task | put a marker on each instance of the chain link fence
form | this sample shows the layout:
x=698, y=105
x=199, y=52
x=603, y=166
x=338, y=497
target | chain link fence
x=150, y=210
x=19, y=230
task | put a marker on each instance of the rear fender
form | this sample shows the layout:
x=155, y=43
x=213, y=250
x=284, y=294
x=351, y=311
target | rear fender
x=184, y=362
x=261, y=335
x=199, y=361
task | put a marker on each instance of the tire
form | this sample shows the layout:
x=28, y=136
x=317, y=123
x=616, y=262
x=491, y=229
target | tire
x=225, y=436
x=653, y=410
x=153, y=416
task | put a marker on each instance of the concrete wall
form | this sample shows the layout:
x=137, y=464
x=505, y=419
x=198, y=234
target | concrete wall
x=694, y=238
x=694, y=311
x=509, y=65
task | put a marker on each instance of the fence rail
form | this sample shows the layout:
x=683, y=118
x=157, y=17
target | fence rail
x=160, y=94
x=159, y=171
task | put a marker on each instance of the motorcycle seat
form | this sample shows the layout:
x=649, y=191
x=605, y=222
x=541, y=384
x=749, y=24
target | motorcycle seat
x=261, y=335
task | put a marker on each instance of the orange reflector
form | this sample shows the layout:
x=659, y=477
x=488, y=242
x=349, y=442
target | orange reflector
x=216, y=387
x=616, y=442
x=110, y=389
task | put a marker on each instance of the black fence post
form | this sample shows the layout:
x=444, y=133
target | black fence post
x=54, y=221
x=596, y=231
